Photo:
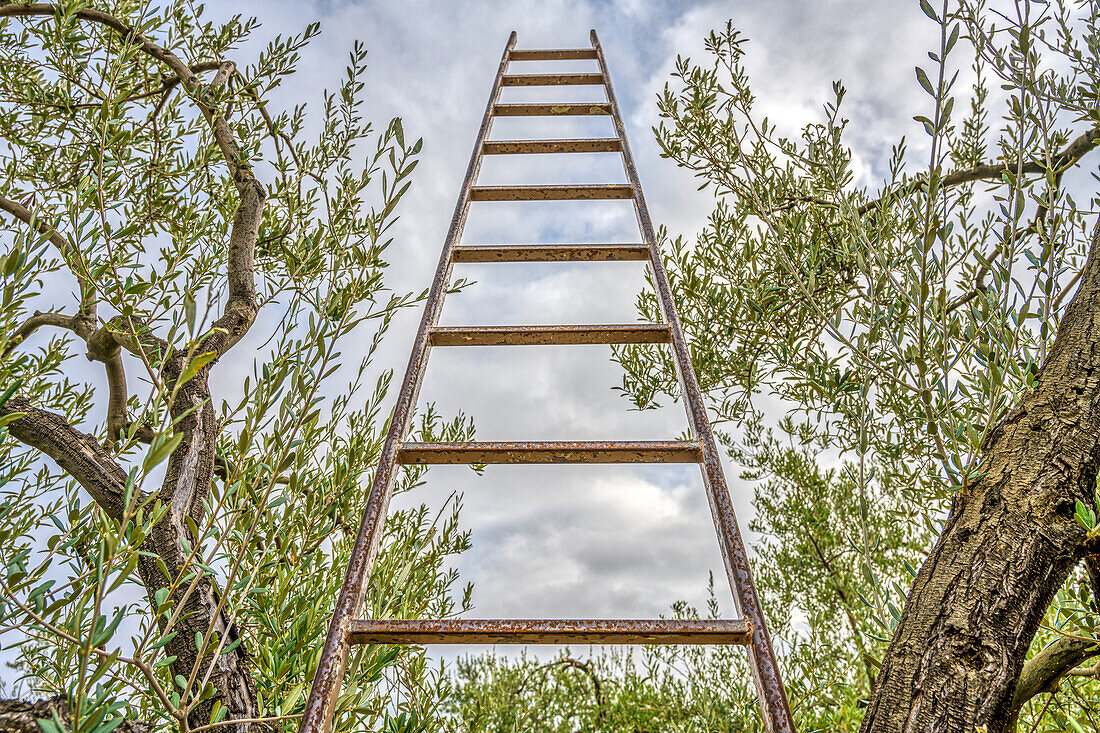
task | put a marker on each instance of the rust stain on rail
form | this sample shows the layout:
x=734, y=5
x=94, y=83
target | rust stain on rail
x=541, y=110
x=565, y=145
x=550, y=252
x=551, y=54
x=542, y=80
x=552, y=192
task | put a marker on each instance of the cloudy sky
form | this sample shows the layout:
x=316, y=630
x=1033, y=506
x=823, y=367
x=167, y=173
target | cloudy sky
x=576, y=541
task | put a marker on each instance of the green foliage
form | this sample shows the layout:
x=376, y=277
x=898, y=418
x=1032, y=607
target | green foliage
x=863, y=341
x=693, y=689
x=110, y=152
x=645, y=689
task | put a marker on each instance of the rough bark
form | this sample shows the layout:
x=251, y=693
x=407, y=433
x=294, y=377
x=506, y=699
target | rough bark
x=20, y=716
x=1008, y=545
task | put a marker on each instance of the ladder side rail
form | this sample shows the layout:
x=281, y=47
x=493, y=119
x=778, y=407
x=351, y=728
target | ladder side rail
x=329, y=675
x=769, y=683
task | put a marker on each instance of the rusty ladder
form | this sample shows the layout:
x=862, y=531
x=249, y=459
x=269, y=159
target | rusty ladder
x=346, y=629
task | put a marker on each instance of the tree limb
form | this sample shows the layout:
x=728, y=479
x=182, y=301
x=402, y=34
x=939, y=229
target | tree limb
x=863, y=653
x=1069, y=156
x=78, y=454
x=241, y=306
x=1042, y=672
x=20, y=716
x=597, y=688
x=20, y=212
x=35, y=322
x=168, y=83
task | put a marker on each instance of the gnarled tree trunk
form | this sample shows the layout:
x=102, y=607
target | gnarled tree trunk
x=1009, y=544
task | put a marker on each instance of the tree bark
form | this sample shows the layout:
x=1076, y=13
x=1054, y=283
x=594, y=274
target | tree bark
x=20, y=716
x=1009, y=543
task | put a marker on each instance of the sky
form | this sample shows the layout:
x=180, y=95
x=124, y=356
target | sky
x=579, y=541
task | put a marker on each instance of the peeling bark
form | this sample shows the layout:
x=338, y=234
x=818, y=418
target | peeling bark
x=1009, y=543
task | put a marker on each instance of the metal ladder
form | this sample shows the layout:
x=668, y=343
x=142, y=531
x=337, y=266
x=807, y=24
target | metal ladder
x=346, y=629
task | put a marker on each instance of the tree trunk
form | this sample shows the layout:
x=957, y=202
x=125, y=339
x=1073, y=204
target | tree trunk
x=1008, y=545
x=186, y=484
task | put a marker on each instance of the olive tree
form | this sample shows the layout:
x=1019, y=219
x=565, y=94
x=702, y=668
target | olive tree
x=911, y=366
x=175, y=518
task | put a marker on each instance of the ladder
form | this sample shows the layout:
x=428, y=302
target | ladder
x=346, y=628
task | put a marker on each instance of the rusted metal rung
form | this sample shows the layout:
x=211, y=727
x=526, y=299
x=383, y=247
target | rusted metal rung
x=551, y=451
x=642, y=333
x=544, y=110
x=525, y=147
x=550, y=80
x=559, y=192
x=550, y=252
x=551, y=54
x=549, y=631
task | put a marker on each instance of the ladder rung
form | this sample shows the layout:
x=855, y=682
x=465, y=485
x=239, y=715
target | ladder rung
x=547, y=80
x=542, y=631
x=643, y=333
x=566, y=192
x=572, y=451
x=521, y=147
x=550, y=252
x=541, y=110
x=551, y=54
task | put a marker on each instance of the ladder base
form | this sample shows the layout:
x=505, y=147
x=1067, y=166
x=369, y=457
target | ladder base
x=556, y=631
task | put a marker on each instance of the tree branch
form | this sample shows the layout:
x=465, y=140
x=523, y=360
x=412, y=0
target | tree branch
x=78, y=454
x=19, y=716
x=1042, y=672
x=1072, y=153
x=241, y=307
x=37, y=321
x=68, y=251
